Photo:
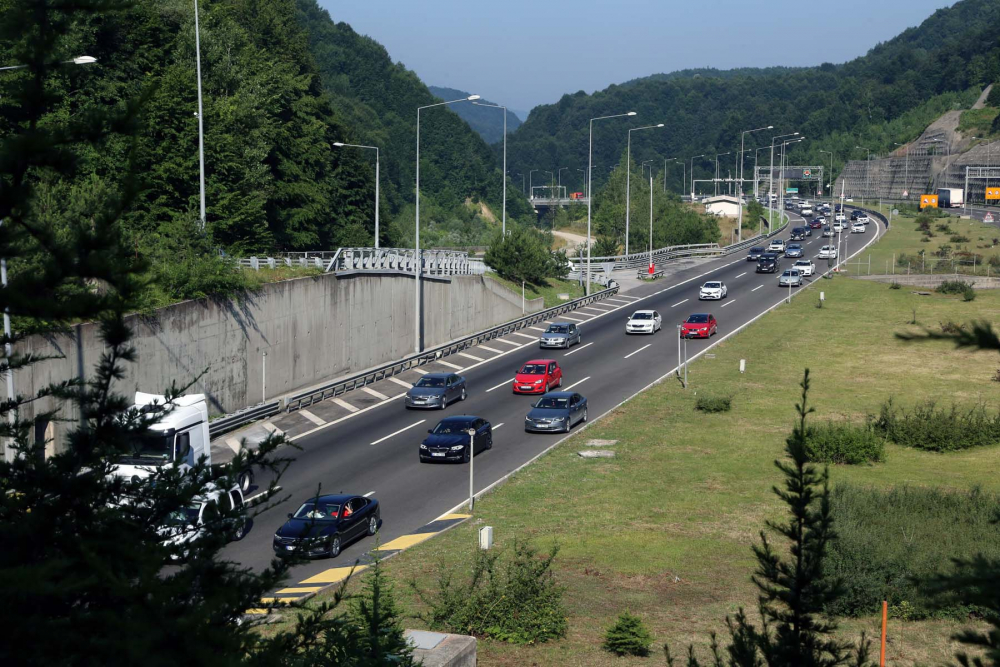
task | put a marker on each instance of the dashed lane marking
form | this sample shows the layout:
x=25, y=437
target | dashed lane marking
x=578, y=349
x=344, y=404
x=756, y=288
x=505, y=382
x=311, y=417
x=579, y=382
x=405, y=428
x=420, y=370
x=536, y=329
x=490, y=349
x=741, y=275
x=298, y=590
x=469, y=356
x=637, y=351
x=449, y=365
x=621, y=301
x=499, y=425
x=333, y=575
x=369, y=494
x=401, y=383
x=523, y=335
x=596, y=310
x=727, y=303
x=574, y=319
x=679, y=303
x=508, y=342
x=377, y=394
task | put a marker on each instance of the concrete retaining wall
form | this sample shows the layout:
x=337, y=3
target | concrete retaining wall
x=923, y=280
x=311, y=329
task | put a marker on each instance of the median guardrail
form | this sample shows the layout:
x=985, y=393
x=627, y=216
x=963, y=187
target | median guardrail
x=231, y=422
x=344, y=385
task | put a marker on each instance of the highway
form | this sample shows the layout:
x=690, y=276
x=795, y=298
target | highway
x=373, y=450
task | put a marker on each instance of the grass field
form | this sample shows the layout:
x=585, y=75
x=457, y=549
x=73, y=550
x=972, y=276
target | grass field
x=550, y=291
x=665, y=529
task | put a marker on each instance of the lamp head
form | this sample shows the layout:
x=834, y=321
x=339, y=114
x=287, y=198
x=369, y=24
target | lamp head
x=660, y=125
x=338, y=143
x=84, y=60
x=630, y=113
x=472, y=98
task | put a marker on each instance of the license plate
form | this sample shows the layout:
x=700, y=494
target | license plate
x=525, y=387
x=437, y=453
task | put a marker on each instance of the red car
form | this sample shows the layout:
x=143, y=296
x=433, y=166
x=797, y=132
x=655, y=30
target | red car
x=815, y=224
x=700, y=325
x=537, y=377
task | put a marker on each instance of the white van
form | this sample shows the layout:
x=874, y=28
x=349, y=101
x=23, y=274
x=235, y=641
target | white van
x=806, y=211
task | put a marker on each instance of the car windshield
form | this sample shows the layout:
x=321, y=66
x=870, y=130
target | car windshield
x=152, y=445
x=642, y=316
x=697, y=319
x=802, y=262
x=430, y=382
x=552, y=402
x=318, y=511
x=451, y=427
x=794, y=246
x=533, y=369
x=185, y=516
x=756, y=251
x=558, y=328
x=713, y=285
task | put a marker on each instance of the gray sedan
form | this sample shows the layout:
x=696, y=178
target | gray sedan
x=790, y=278
x=557, y=411
x=560, y=334
x=436, y=390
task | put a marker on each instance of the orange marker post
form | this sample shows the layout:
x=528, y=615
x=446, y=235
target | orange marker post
x=885, y=618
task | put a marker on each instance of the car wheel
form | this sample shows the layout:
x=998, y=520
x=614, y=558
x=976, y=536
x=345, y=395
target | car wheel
x=241, y=531
x=335, y=546
x=373, y=525
x=584, y=420
x=489, y=441
x=244, y=480
x=559, y=383
x=466, y=455
x=464, y=394
x=444, y=403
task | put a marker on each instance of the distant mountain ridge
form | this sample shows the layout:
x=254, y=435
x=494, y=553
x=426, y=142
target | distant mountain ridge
x=487, y=122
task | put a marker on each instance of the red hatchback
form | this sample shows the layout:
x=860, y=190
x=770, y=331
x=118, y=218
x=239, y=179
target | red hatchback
x=537, y=377
x=700, y=325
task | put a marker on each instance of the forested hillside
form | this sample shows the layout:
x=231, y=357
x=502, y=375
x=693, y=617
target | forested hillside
x=487, y=122
x=886, y=96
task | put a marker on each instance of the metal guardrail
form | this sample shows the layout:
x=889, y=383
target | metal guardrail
x=338, y=387
x=434, y=262
x=233, y=421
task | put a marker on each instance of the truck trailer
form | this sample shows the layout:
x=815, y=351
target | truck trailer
x=951, y=197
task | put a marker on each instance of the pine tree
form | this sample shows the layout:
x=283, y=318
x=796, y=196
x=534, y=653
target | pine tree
x=378, y=619
x=628, y=636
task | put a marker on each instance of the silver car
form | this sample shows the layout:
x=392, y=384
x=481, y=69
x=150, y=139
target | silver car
x=790, y=278
x=560, y=334
x=436, y=391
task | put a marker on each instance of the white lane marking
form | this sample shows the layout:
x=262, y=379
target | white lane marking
x=369, y=494
x=499, y=425
x=344, y=404
x=535, y=328
x=377, y=394
x=445, y=363
x=522, y=335
x=311, y=417
x=637, y=351
x=489, y=349
x=616, y=300
x=576, y=383
x=508, y=342
x=405, y=428
x=418, y=370
x=578, y=349
x=626, y=296
x=469, y=356
x=574, y=319
x=727, y=303
x=502, y=384
x=596, y=310
x=756, y=288
x=679, y=303
x=234, y=444
x=741, y=275
x=402, y=383
x=605, y=307
x=271, y=428
x=260, y=495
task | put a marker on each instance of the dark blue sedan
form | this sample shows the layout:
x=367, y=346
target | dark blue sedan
x=449, y=440
x=557, y=411
x=323, y=525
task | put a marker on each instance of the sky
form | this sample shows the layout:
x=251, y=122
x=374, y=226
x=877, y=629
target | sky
x=523, y=52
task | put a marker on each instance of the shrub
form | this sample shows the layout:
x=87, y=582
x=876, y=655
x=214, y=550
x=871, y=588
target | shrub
x=969, y=295
x=953, y=287
x=845, y=443
x=628, y=636
x=994, y=261
x=713, y=403
x=895, y=285
x=958, y=238
x=943, y=227
x=942, y=251
x=937, y=430
x=523, y=254
x=892, y=541
x=510, y=596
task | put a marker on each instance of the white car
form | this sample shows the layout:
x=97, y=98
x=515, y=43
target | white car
x=777, y=245
x=858, y=227
x=839, y=227
x=864, y=219
x=805, y=267
x=828, y=252
x=644, y=321
x=714, y=289
x=214, y=509
x=840, y=217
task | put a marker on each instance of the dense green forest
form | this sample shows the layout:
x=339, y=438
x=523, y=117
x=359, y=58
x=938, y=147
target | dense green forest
x=281, y=83
x=889, y=95
x=488, y=123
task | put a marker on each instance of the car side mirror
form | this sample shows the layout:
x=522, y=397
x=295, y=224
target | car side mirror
x=430, y=430
x=289, y=515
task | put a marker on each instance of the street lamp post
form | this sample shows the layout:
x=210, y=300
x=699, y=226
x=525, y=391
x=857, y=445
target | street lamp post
x=906, y=169
x=503, y=229
x=417, y=263
x=717, y=156
x=739, y=175
x=201, y=124
x=628, y=178
x=561, y=169
x=531, y=186
x=692, y=173
x=770, y=186
x=833, y=204
x=665, y=172
x=867, y=170
x=651, y=269
x=340, y=144
x=590, y=176
x=782, y=170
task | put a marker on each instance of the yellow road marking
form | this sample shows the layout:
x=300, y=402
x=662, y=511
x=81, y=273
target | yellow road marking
x=333, y=575
x=304, y=589
x=405, y=541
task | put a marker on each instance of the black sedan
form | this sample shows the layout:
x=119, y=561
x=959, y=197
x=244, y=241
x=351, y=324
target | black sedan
x=754, y=254
x=449, y=440
x=323, y=525
x=436, y=390
x=556, y=411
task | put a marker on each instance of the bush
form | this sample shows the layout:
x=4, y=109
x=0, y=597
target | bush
x=891, y=541
x=524, y=255
x=937, y=430
x=510, y=596
x=713, y=403
x=958, y=287
x=958, y=238
x=628, y=636
x=895, y=285
x=943, y=227
x=845, y=443
x=969, y=295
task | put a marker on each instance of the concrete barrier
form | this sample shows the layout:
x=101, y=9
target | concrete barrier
x=310, y=329
x=931, y=281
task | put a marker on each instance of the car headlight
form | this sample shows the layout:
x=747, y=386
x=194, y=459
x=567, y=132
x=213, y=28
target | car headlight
x=423, y=446
x=539, y=381
x=457, y=448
